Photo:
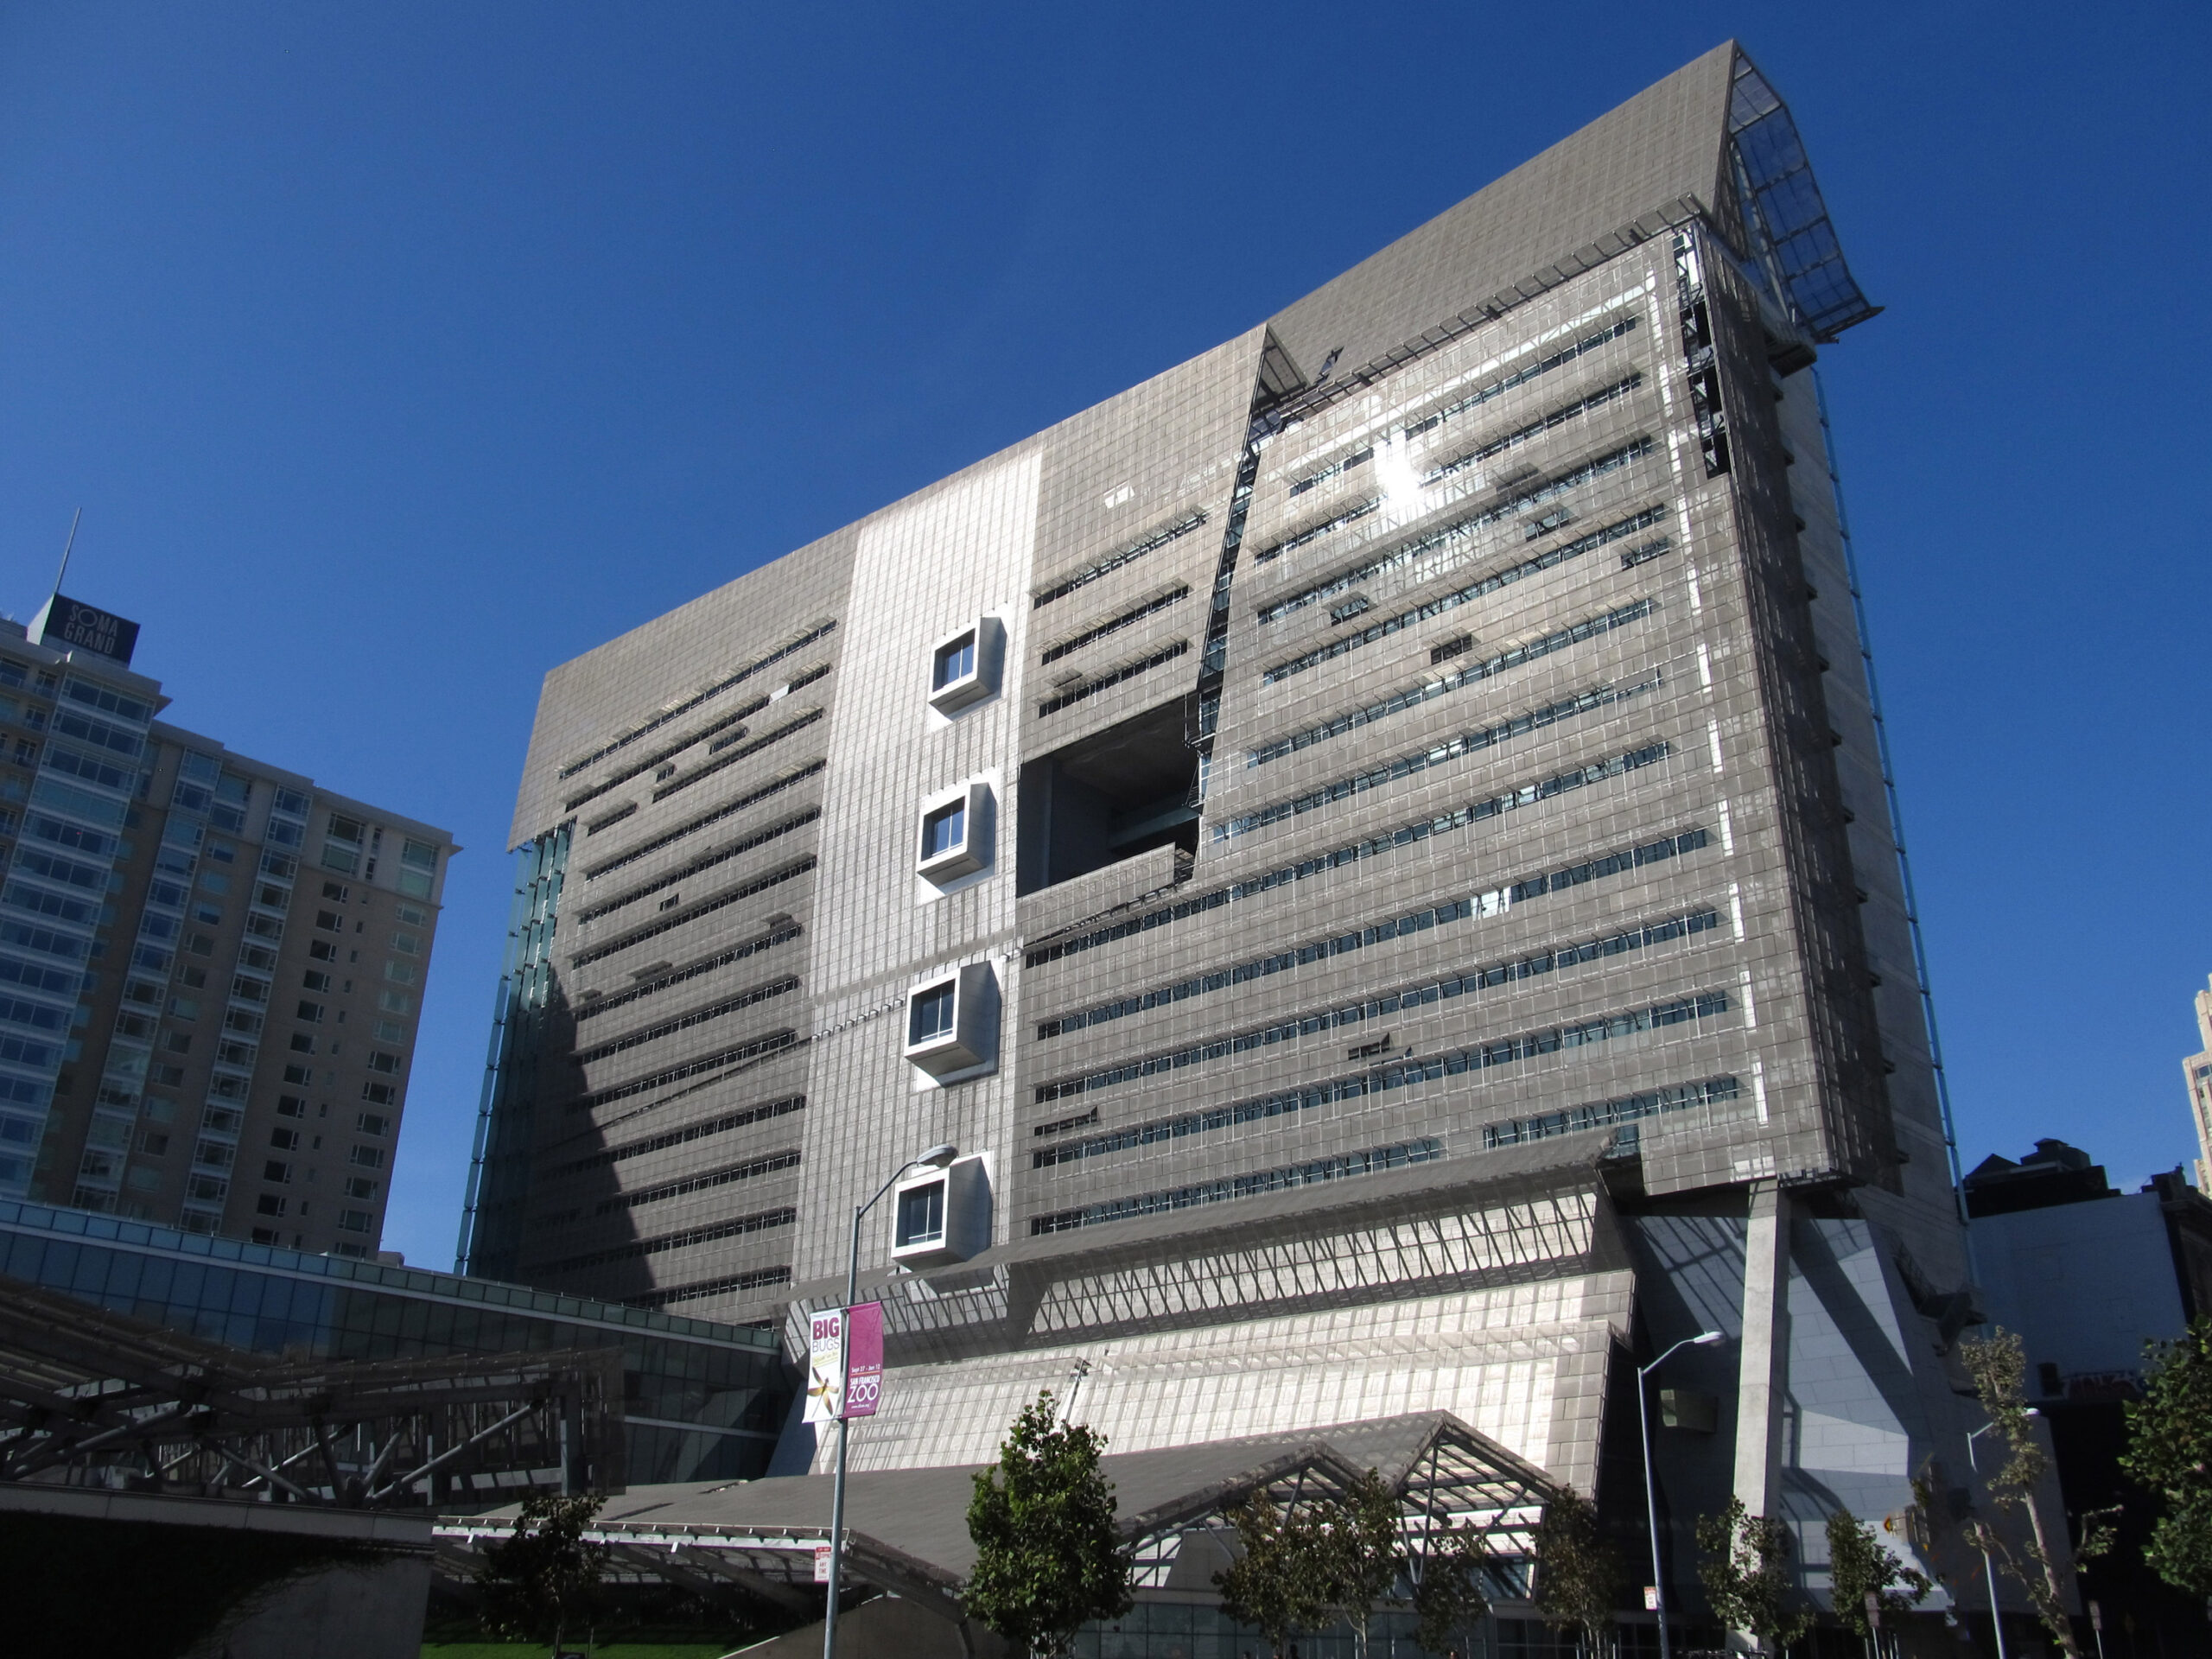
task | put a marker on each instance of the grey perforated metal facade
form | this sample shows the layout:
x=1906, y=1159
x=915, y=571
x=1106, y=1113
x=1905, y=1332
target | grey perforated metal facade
x=1433, y=829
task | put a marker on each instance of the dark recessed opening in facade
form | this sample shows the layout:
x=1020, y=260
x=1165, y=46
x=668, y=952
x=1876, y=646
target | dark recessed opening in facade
x=1117, y=793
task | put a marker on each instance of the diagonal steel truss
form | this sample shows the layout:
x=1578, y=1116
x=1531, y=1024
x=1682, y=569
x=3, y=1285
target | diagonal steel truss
x=1450, y=1475
x=90, y=1397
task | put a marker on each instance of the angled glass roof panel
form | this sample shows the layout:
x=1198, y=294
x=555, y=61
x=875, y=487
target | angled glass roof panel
x=1789, y=219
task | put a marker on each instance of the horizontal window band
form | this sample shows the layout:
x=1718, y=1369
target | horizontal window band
x=743, y=752
x=1548, y=421
x=1494, y=902
x=669, y=751
x=593, y=1009
x=1346, y=644
x=701, y=1182
x=1386, y=1078
x=775, y=787
x=819, y=630
x=704, y=861
x=1605, y=1114
x=1114, y=624
x=1687, y=924
x=712, y=1011
x=1458, y=679
x=1358, y=852
x=638, y=935
x=705, y=1287
x=721, y=1125
x=644, y=1247
x=774, y=1043
x=1476, y=399
x=1291, y=543
x=1461, y=529
x=1409, y=765
x=1113, y=561
x=1371, y=1162
x=1126, y=671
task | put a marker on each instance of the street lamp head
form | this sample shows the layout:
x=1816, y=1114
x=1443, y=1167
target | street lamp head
x=2031, y=1412
x=939, y=1155
x=1707, y=1339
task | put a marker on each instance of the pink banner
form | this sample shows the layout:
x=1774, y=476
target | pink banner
x=863, y=1359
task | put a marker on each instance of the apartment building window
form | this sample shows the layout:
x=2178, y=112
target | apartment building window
x=372, y=1123
x=358, y=1188
x=354, y=1221
x=269, y=1203
x=366, y=1157
x=418, y=868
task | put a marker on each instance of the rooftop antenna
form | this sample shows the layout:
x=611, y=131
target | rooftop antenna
x=67, y=548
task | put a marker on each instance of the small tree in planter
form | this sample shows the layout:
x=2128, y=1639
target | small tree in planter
x=1049, y=1555
x=1578, y=1572
x=1859, y=1566
x=1448, y=1596
x=1284, y=1584
x=543, y=1581
x=1746, y=1574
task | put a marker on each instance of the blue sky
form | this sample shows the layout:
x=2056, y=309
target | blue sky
x=398, y=352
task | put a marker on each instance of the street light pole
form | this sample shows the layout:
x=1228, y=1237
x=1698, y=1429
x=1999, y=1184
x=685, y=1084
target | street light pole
x=1988, y=1562
x=1703, y=1340
x=936, y=1158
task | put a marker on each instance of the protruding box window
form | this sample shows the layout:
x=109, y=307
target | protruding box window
x=943, y=1215
x=952, y=1023
x=956, y=834
x=964, y=666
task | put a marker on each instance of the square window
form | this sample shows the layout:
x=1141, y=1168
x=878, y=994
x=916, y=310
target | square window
x=930, y=1015
x=944, y=830
x=921, y=1214
x=943, y=1215
x=952, y=1025
x=955, y=660
x=964, y=666
x=956, y=834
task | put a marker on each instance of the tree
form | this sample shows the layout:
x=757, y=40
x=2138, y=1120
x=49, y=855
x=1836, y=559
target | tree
x=543, y=1580
x=1049, y=1555
x=1369, y=1556
x=1448, y=1595
x=1578, y=1572
x=1860, y=1564
x=1746, y=1574
x=1999, y=1368
x=2170, y=1451
x=1283, y=1582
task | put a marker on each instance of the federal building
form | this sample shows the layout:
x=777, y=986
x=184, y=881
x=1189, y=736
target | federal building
x=1374, y=844
x=211, y=968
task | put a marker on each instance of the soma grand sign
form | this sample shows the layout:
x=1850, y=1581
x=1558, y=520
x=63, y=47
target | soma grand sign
x=67, y=624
